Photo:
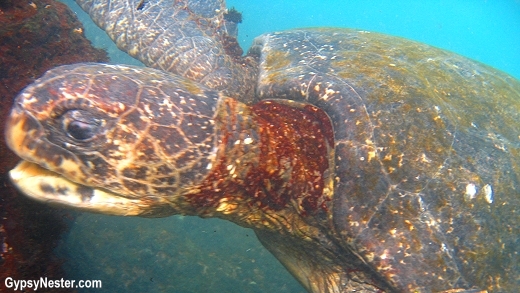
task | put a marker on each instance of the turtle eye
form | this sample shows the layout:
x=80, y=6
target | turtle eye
x=80, y=124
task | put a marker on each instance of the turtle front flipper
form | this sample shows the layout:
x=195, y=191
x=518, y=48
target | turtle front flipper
x=322, y=271
x=189, y=38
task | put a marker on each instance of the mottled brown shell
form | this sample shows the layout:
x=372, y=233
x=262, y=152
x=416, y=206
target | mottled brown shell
x=427, y=153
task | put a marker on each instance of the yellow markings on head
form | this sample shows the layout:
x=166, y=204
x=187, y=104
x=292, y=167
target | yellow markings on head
x=148, y=111
x=15, y=133
x=69, y=96
x=28, y=99
x=70, y=167
x=169, y=106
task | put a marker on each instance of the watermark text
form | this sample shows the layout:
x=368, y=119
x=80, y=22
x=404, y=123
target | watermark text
x=20, y=285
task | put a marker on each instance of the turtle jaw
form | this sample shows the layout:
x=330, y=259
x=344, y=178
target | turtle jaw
x=46, y=186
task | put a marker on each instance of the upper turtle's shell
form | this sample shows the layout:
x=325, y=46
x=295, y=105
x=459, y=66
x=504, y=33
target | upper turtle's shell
x=190, y=38
x=426, y=153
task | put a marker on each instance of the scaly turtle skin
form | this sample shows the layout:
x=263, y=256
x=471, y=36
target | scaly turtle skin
x=364, y=162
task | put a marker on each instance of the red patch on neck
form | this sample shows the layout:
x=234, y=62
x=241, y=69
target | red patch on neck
x=291, y=164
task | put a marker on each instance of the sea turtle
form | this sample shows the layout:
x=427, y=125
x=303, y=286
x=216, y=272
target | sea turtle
x=364, y=162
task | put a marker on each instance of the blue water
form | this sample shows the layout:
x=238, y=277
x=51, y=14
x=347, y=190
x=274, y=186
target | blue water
x=487, y=31
x=180, y=254
x=175, y=254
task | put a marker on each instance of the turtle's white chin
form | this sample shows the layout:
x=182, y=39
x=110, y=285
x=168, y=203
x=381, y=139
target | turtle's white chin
x=52, y=188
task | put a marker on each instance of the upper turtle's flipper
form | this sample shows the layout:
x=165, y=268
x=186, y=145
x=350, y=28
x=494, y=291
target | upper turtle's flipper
x=189, y=38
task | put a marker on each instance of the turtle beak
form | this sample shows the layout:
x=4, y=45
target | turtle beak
x=46, y=186
x=51, y=188
x=19, y=127
x=26, y=137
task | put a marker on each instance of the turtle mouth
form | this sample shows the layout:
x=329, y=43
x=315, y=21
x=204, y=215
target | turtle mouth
x=52, y=188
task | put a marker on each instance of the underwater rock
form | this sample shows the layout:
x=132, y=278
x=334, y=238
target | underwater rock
x=34, y=37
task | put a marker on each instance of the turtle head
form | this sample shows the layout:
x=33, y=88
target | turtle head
x=112, y=139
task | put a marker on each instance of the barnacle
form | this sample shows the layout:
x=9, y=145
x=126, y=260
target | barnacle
x=233, y=15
